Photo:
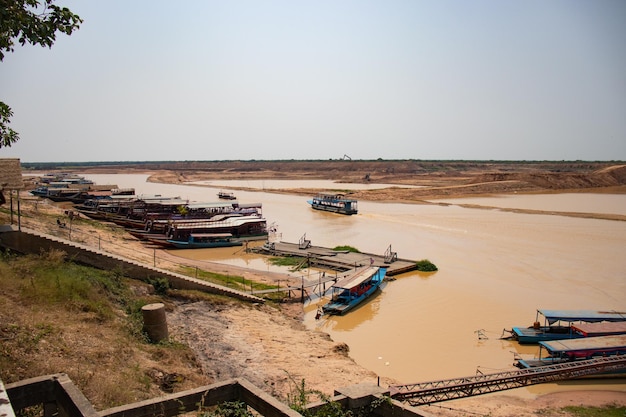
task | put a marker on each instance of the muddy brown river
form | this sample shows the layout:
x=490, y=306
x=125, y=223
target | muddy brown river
x=496, y=269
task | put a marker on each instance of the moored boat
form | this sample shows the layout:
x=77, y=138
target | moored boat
x=353, y=289
x=250, y=227
x=226, y=195
x=558, y=324
x=552, y=352
x=335, y=203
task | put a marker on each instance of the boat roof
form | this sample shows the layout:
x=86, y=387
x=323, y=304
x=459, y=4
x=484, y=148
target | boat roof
x=585, y=343
x=552, y=316
x=604, y=327
x=356, y=278
x=214, y=204
x=335, y=196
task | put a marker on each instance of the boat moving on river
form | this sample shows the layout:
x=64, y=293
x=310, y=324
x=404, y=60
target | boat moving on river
x=336, y=203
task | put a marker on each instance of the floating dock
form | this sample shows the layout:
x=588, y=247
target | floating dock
x=317, y=256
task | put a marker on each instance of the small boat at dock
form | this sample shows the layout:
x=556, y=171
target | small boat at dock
x=353, y=289
x=558, y=324
x=335, y=203
x=552, y=352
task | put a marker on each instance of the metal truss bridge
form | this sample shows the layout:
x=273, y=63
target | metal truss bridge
x=449, y=389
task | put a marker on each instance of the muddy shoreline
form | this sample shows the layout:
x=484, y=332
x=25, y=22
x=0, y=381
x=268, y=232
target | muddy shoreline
x=272, y=348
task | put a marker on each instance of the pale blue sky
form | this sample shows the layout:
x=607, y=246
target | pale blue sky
x=398, y=79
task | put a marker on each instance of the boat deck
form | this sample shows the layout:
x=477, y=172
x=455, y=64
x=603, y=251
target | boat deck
x=603, y=328
x=602, y=343
x=338, y=260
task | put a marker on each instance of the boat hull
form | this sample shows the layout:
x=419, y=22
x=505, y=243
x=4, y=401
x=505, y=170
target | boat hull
x=202, y=245
x=532, y=335
x=343, y=308
x=333, y=209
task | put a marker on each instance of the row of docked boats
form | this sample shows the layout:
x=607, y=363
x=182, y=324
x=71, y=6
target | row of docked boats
x=572, y=335
x=172, y=222
x=66, y=187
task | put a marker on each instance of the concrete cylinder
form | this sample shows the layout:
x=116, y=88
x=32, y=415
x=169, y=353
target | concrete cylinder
x=154, y=322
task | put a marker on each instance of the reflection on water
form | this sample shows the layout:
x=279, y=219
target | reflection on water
x=495, y=269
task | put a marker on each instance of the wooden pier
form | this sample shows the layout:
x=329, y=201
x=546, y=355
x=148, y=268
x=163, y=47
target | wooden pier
x=317, y=256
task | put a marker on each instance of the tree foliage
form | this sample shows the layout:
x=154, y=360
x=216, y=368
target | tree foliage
x=36, y=22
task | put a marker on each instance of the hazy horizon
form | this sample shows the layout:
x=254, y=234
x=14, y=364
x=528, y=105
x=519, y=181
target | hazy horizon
x=279, y=80
x=503, y=161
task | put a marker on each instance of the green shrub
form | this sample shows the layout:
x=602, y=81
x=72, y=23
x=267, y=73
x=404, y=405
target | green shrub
x=346, y=248
x=426, y=266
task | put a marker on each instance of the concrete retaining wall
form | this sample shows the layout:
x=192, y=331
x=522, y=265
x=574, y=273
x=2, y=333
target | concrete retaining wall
x=31, y=242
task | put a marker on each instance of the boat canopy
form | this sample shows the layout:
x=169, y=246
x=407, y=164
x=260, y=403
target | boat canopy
x=356, y=278
x=197, y=205
x=585, y=343
x=552, y=316
x=600, y=328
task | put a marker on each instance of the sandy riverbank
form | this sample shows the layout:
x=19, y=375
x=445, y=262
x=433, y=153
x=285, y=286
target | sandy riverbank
x=271, y=347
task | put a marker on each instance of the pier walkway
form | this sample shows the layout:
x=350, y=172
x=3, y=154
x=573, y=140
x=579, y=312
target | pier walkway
x=449, y=389
x=317, y=256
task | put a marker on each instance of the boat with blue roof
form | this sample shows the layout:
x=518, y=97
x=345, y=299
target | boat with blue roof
x=353, y=289
x=557, y=324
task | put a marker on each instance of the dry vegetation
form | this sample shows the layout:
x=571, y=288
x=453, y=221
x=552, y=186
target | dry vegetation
x=102, y=349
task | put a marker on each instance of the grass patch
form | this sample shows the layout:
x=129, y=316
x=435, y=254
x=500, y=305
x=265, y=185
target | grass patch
x=60, y=316
x=608, y=411
x=235, y=282
x=294, y=262
x=346, y=248
x=48, y=279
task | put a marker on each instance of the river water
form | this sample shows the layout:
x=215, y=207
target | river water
x=496, y=268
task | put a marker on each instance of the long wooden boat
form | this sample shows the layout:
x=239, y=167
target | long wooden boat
x=206, y=240
x=335, y=203
x=557, y=324
x=552, y=352
x=353, y=289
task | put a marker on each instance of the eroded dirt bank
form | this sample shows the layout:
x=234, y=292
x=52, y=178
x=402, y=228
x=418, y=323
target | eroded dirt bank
x=270, y=346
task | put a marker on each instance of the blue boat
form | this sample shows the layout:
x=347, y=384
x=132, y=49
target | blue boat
x=558, y=324
x=353, y=289
x=335, y=203
x=205, y=240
